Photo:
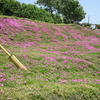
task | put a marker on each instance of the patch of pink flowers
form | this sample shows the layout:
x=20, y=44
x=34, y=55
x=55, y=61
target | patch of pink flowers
x=67, y=45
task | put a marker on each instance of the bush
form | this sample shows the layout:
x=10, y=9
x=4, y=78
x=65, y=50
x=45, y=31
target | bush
x=57, y=19
x=98, y=26
x=15, y=8
x=86, y=24
x=66, y=21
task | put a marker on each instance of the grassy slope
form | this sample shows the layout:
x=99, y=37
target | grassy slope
x=63, y=61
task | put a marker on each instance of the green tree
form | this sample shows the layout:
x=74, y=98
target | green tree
x=57, y=18
x=49, y=5
x=70, y=9
x=15, y=8
x=9, y=7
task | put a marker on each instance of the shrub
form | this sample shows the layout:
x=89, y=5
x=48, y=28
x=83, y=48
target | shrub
x=98, y=26
x=15, y=8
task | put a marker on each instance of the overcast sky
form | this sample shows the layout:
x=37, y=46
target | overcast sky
x=91, y=7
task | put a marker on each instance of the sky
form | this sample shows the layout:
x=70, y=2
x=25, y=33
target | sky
x=91, y=8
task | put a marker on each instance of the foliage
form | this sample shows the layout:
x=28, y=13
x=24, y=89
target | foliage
x=63, y=61
x=9, y=7
x=57, y=19
x=49, y=5
x=86, y=24
x=98, y=26
x=15, y=8
x=70, y=9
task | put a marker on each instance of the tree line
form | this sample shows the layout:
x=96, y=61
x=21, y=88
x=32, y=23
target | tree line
x=69, y=9
x=53, y=11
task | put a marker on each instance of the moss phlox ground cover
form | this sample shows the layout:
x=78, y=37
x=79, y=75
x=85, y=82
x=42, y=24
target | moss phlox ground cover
x=57, y=57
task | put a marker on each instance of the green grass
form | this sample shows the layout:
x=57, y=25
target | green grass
x=78, y=27
x=57, y=92
x=55, y=72
x=94, y=53
x=62, y=49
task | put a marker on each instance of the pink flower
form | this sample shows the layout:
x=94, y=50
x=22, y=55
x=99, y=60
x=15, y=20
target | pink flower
x=1, y=91
x=25, y=82
x=1, y=75
x=97, y=80
x=13, y=78
x=1, y=69
x=64, y=81
x=65, y=61
x=25, y=56
x=9, y=65
x=45, y=79
x=77, y=80
x=1, y=84
x=28, y=77
x=2, y=26
x=19, y=82
x=94, y=73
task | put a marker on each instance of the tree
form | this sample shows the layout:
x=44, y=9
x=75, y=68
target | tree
x=15, y=8
x=70, y=9
x=49, y=5
x=79, y=14
x=9, y=7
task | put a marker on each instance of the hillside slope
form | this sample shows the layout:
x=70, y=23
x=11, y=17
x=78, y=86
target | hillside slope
x=63, y=61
